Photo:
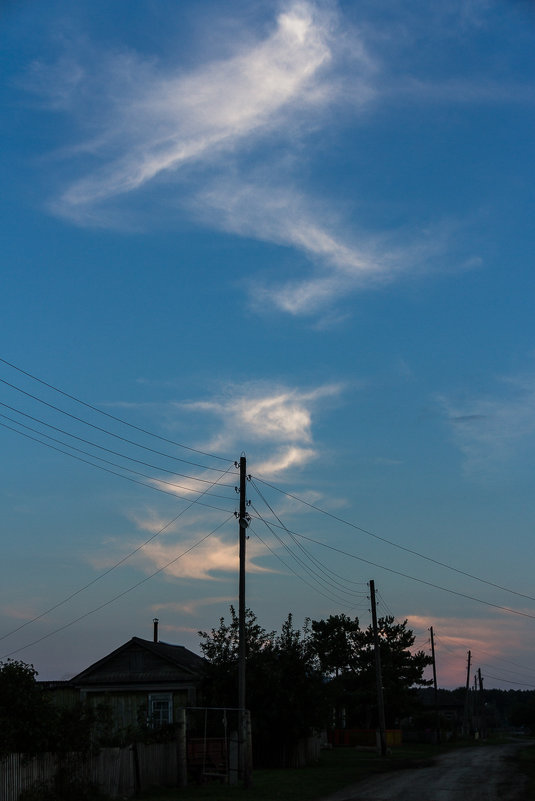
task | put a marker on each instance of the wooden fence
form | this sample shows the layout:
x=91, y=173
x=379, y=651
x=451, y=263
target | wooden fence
x=122, y=772
x=115, y=771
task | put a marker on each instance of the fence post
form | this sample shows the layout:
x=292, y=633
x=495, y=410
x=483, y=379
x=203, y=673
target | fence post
x=249, y=742
x=181, y=748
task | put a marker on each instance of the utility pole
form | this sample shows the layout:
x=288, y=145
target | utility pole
x=467, y=697
x=378, y=674
x=437, y=721
x=245, y=768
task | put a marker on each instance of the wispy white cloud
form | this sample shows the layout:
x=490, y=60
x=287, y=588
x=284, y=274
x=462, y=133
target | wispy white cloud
x=158, y=120
x=460, y=91
x=491, y=431
x=345, y=259
x=211, y=560
x=278, y=418
x=291, y=456
x=199, y=130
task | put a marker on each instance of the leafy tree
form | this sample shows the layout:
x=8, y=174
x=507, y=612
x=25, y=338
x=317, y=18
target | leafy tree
x=336, y=642
x=220, y=648
x=402, y=670
x=346, y=655
x=291, y=701
x=285, y=692
x=30, y=722
x=25, y=711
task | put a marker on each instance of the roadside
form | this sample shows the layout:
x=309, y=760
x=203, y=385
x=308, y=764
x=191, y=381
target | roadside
x=345, y=774
x=489, y=773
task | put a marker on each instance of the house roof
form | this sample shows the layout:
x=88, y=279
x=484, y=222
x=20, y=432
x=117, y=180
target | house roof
x=143, y=662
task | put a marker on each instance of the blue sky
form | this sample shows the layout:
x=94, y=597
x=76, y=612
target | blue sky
x=300, y=231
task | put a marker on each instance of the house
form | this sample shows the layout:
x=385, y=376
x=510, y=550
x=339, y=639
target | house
x=142, y=682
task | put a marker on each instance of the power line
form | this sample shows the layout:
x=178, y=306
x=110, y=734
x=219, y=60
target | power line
x=508, y=681
x=111, y=416
x=420, y=581
x=412, y=578
x=384, y=603
x=91, y=443
x=502, y=670
x=108, y=571
x=311, y=572
x=112, y=472
x=107, y=461
x=395, y=544
x=119, y=595
x=105, y=430
x=503, y=659
x=323, y=569
x=315, y=588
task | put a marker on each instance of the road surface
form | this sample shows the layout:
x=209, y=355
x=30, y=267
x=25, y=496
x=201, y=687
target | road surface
x=484, y=773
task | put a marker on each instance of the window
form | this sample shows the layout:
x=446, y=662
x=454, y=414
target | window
x=160, y=710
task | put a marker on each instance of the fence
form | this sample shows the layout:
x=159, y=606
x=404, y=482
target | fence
x=115, y=771
x=205, y=747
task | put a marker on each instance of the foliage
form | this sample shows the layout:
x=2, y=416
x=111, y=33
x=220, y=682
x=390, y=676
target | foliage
x=402, y=670
x=346, y=655
x=25, y=712
x=284, y=687
x=336, y=643
x=295, y=677
x=31, y=723
x=523, y=712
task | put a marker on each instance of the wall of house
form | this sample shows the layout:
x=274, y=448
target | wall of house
x=66, y=696
x=131, y=708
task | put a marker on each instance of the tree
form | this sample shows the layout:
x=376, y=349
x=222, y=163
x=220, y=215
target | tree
x=26, y=713
x=346, y=655
x=31, y=723
x=336, y=642
x=220, y=648
x=285, y=692
x=402, y=670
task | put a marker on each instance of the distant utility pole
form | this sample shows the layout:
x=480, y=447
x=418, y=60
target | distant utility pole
x=437, y=721
x=245, y=765
x=378, y=674
x=467, y=697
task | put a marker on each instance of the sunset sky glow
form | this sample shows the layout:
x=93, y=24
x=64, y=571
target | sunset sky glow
x=300, y=231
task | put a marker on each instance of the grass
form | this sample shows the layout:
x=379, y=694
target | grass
x=525, y=759
x=335, y=770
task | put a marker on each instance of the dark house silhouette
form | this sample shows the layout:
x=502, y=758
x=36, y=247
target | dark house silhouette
x=142, y=682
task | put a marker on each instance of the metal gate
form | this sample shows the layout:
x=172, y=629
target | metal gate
x=212, y=744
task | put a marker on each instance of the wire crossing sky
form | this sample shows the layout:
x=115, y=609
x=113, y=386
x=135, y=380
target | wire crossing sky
x=301, y=231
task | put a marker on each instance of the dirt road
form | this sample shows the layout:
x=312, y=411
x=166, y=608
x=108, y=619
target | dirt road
x=485, y=773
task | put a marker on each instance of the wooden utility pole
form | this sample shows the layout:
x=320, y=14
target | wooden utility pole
x=378, y=674
x=245, y=765
x=467, y=697
x=437, y=721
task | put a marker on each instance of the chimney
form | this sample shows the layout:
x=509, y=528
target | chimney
x=155, y=621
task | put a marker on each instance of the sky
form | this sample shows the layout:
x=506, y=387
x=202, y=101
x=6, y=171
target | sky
x=300, y=232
